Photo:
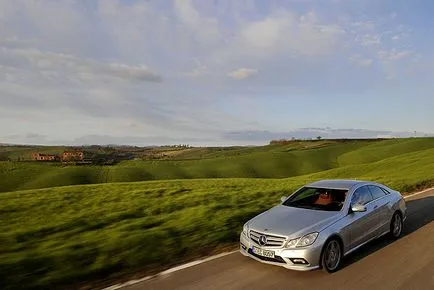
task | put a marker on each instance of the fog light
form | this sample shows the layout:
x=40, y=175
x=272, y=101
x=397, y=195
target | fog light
x=299, y=261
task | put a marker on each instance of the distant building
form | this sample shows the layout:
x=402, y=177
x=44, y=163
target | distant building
x=44, y=157
x=73, y=156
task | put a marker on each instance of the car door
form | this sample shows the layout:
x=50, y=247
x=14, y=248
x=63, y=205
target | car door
x=363, y=225
x=382, y=203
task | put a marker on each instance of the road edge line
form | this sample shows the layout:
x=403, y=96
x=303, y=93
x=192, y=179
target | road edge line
x=417, y=193
x=171, y=270
x=201, y=261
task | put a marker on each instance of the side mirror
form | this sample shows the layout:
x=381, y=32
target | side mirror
x=283, y=198
x=358, y=208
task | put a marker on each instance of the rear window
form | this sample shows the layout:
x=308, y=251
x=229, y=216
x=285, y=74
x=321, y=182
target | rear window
x=385, y=190
x=376, y=191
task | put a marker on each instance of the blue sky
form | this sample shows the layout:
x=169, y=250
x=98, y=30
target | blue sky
x=214, y=72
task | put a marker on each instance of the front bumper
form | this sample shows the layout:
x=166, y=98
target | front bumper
x=285, y=257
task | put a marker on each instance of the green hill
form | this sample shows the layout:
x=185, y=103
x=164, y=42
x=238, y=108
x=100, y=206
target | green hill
x=384, y=149
x=274, y=161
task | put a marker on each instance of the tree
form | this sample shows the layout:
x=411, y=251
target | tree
x=318, y=138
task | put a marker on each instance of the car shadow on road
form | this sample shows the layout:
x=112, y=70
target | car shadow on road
x=420, y=212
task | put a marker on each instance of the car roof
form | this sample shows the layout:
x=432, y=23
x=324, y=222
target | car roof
x=337, y=183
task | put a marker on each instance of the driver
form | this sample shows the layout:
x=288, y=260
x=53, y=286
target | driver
x=324, y=198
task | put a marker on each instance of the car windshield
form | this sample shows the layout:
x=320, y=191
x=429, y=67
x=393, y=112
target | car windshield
x=326, y=199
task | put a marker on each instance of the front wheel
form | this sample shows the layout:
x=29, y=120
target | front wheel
x=332, y=256
x=396, y=226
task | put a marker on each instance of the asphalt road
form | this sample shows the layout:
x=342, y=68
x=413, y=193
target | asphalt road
x=407, y=263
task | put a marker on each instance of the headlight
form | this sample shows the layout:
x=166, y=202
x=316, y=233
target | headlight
x=307, y=240
x=291, y=244
x=246, y=230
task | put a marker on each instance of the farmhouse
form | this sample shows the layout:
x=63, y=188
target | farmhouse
x=73, y=156
x=44, y=157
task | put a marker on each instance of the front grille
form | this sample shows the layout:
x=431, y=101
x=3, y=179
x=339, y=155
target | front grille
x=272, y=241
x=276, y=259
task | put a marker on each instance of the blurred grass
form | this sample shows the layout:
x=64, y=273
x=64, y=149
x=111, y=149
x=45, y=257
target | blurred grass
x=57, y=236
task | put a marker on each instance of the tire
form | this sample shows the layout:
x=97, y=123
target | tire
x=331, y=257
x=396, y=225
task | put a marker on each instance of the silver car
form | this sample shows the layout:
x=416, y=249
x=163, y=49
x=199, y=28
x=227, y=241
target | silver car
x=320, y=223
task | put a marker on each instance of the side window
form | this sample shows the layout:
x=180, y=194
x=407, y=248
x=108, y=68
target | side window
x=361, y=196
x=376, y=191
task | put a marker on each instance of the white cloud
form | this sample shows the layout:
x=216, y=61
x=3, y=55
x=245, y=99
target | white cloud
x=194, y=73
x=264, y=33
x=365, y=62
x=289, y=33
x=369, y=40
x=398, y=63
x=364, y=26
x=205, y=30
x=392, y=55
x=361, y=61
x=200, y=70
x=49, y=63
x=186, y=12
x=242, y=73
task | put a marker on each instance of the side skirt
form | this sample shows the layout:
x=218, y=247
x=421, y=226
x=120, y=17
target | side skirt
x=361, y=245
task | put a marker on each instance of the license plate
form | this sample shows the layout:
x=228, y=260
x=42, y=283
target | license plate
x=262, y=252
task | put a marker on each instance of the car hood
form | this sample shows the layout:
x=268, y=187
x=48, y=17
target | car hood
x=293, y=222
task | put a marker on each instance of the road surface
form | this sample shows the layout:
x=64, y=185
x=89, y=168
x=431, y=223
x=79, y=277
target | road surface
x=407, y=263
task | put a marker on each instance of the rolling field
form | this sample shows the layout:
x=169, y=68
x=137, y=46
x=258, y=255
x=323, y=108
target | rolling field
x=57, y=236
x=276, y=161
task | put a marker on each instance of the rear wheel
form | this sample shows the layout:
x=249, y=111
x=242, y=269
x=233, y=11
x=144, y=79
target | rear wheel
x=396, y=225
x=332, y=256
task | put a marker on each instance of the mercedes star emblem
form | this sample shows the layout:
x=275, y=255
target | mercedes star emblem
x=262, y=240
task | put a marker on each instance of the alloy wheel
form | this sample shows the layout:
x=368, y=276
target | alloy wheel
x=332, y=256
x=396, y=225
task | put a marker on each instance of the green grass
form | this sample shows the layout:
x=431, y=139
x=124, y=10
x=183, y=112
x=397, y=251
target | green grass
x=14, y=175
x=57, y=236
x=277, y=161
x=379, y=150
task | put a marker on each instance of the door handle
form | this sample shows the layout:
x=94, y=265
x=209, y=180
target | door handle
x=376, y=206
